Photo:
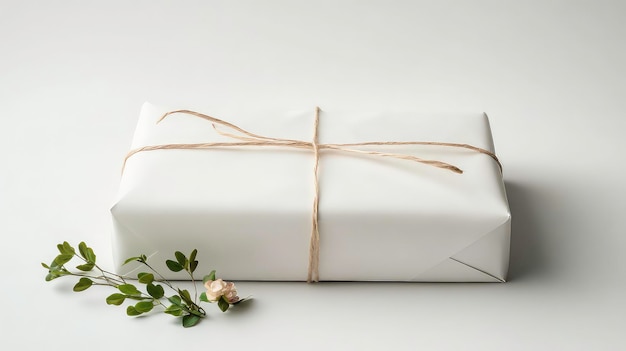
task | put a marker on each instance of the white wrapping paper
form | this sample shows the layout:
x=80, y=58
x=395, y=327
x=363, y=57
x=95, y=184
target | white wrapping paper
x=248, y=209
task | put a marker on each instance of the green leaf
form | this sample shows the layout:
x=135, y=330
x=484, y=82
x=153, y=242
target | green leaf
x=129, y=289
x=54, y=266
x=85, y=267
x=66, y=248
x=155, y=291
x=45, y=266
x=57, y=268
x=132, y=311
x=223, y=304
x=190, y=320
x=211, y=276
x=175, y=300
x=116, y=299
x=131, y=259
x=180, y=257
x=83, y=284
x=197, y=313
x=174, y=310
x=174, y=266
x=62, y=259
x=91, y=256
x=204, y=298
x=193, y=265
x=145, y=278
x=144, y=306
x=52, y=276
x=185, y=296
x=82, y=249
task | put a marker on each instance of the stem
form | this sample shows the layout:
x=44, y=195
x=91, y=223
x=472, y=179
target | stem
x=195, y=288
x=166, y=282
x=121, y=279
x=160, y=303
x=102, y=284
x=115, y=280
x=162, y=280
x=110, y=281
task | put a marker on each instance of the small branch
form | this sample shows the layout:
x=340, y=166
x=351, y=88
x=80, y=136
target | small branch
x=195, y=288
x=120, y=279
x=162, y=280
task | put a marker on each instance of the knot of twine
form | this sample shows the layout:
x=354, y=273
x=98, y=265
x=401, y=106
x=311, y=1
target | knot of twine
x=249, y=139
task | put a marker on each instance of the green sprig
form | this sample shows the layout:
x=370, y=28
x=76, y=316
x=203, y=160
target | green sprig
x=181, y=304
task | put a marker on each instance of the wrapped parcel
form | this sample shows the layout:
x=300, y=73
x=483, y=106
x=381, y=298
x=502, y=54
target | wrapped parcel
x=248, y=209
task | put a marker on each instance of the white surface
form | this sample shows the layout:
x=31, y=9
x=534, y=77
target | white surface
x=248, y=210
x=550, y=74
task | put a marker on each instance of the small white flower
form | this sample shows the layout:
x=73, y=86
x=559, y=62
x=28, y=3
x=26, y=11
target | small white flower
x=218, y=288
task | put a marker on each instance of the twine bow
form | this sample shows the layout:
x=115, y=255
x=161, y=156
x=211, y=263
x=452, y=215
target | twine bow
x=249, y=139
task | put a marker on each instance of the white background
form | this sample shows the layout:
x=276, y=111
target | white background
x=550, y=74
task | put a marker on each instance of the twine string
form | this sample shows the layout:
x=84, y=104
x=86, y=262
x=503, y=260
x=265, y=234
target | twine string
x=314, y=249
x=246, y=138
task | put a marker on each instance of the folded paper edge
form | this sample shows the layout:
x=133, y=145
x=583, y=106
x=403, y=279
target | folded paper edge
x=479, y=270
x=471, y=257
x=497, y=243
x=121, y=233
x=454, y=271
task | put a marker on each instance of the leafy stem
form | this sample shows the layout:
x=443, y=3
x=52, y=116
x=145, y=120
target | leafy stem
x=162, y=279
x=180, y=304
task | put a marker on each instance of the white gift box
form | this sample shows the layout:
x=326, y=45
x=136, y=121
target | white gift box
x=248, y=209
